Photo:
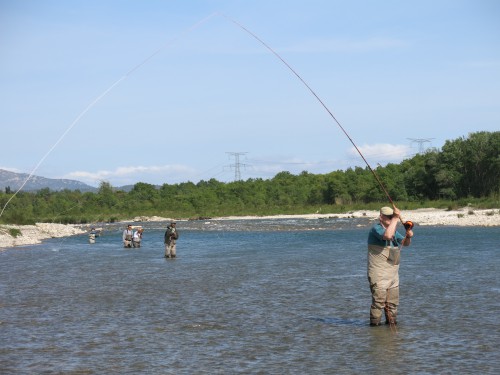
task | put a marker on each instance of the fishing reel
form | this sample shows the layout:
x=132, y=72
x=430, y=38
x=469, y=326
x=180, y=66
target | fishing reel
x=408, y=225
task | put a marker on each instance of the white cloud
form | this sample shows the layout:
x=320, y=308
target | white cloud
x=133, y=174
x=264, y=168
x=382, y=152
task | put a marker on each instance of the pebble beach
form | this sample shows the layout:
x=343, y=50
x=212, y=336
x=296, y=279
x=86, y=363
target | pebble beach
x=466, y=217
x=35, y=234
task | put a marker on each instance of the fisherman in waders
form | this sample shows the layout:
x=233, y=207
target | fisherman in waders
x=170, y=239
x=127, y=236
x=383, y=265
x=92, y=235
x=136, y=240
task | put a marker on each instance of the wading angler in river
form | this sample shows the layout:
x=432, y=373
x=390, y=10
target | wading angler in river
x=384, y=251
x=127, y=236
x=170, y=239
x=137, y=238
x=93, y=234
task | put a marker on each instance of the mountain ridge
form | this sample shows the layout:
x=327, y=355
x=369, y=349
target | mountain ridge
x=13, y=181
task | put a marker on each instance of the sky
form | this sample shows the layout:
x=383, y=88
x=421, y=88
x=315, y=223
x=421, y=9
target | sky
x=127, y=91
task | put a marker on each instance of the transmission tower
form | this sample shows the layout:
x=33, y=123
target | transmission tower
x=237, y=164
x=420, y=142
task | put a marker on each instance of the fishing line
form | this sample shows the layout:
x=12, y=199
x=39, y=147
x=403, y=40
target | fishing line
x=317, y=97
x=136, y=67
x=98, y=98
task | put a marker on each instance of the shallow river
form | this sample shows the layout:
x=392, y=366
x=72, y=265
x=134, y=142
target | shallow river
x=250, y=297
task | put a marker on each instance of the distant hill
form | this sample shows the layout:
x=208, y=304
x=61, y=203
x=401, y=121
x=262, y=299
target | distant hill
x=125, y=188
x=15, y=180
x=128, y=188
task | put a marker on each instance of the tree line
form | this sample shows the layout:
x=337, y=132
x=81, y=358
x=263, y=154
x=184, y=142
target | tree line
x=464, y=169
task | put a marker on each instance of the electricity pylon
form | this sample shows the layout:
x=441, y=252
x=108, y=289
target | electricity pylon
x=420, y=142
x=237, y=164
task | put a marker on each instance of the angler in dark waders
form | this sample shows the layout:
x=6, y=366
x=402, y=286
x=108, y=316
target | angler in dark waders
x=384, y=248
x=170, y=239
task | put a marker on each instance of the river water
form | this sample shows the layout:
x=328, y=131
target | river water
x=279, y=296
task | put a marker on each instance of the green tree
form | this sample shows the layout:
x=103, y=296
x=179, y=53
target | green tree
x=336, y=191
x=481, y=164
x=106, y=197
x=143, y=196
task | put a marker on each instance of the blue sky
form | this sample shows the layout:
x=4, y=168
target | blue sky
x=164, y=91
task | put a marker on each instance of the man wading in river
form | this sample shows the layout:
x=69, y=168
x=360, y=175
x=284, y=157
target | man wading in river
x=383, y=265
x=170, y=240
x=127, y=236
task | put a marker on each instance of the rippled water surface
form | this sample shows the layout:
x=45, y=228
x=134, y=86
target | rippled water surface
x=250, y=297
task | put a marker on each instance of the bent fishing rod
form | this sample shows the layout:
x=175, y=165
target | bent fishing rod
x=379, y=181
x=156, y=52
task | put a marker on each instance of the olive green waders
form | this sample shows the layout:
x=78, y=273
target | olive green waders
x=383, y=276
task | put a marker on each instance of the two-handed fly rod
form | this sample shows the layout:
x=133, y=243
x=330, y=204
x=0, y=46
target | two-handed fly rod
x=319, y=100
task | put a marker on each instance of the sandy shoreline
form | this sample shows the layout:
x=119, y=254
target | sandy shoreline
x=466, y=217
